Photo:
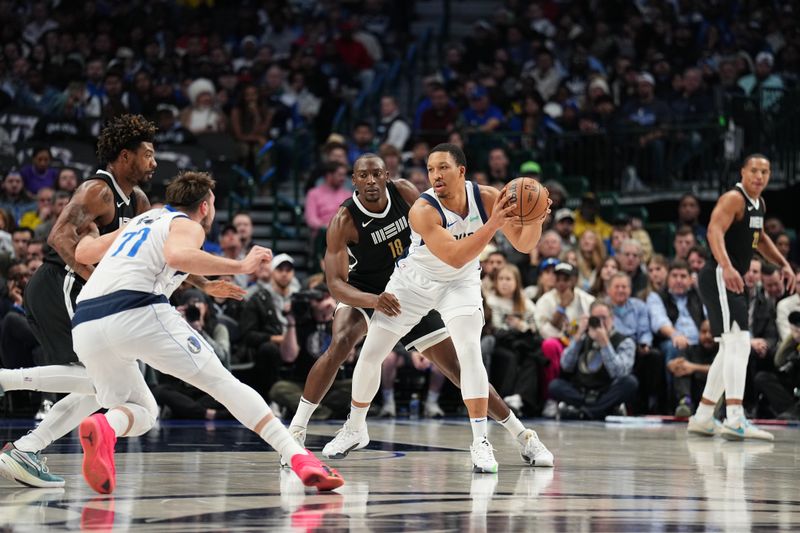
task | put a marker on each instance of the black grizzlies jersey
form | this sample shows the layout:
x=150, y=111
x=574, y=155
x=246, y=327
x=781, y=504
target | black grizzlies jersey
x=743, y=235
x=383, y=238
x=124, y=211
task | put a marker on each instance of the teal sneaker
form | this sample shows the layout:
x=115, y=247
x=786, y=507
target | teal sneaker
x=27, y=468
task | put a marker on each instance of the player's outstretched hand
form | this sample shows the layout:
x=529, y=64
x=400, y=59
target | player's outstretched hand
x=789, y=278
x=220, y=288
x=733, y=281
x=501, y=212
x=257, y=255
x=388, y=304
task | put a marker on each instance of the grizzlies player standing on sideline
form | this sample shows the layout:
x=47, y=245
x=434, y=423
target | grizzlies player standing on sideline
x=107, y=200
x=449, y=229
x=735, y=230
x=365, y=238
x=123, y=316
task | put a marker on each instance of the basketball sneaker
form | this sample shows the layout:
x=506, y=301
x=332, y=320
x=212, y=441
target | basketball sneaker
x=532, y=450
x=704, y=428
x=483, y=457
x=346, y=440
x=98, y=440
x=314, y=473
x=433, y=410
x=27, y=468
x=299, y=436
x=742, y=429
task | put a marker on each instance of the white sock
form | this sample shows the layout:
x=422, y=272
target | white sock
x=388, y=396
x=119, y=421
x=65, y=416
x=734, y=412
x=704, y=411
x=279, y=438
x=51, y=378
x=479, y=428
x=513, y=425
x=358, y=416
x=433, y=397
x=304, y=411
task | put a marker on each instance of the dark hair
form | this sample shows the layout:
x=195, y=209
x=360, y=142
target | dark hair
x=41, y=148
x=689, y=195
x=679, y=264
x=768, y=269
x=23, y=229
x=368, y=155
x=497, y=252
x=453, y=150
x=754, y=156
x=126, y=132
x=228, y=228
x=699, y=250
x=188, y=190
x=333, y=166
x=684, y=230
x=362, y=123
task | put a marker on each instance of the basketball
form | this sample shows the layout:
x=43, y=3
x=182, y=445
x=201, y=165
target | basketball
x=530, y=197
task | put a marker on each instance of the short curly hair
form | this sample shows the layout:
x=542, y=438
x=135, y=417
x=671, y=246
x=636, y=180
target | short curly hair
x=121, y=133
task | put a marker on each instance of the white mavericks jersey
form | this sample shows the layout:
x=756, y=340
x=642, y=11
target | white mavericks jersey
x=135, y=261
x=422, y=261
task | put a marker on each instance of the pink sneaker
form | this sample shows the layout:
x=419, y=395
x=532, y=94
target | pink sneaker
x=98, y=440
x=314, y=473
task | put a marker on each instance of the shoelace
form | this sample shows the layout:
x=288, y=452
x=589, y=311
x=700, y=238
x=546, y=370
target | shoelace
x=42, y=462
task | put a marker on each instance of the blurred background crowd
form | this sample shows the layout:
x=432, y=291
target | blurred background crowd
x=635, y=114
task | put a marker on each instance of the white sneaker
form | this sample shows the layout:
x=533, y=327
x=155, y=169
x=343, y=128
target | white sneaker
x=550, y=409
x=705, y=428
x=432, y=410
x=299, y=435
x=533, y=451
x=345, y=441
x=388, y=410
x=742, y=429
x=483, y=457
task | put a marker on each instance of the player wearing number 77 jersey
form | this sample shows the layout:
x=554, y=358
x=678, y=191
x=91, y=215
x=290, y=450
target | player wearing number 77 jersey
x=123, y=316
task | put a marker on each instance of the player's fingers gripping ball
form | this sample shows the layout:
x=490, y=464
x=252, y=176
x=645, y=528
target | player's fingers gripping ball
x=530, y=198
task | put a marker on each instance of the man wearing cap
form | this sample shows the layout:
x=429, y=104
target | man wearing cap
x=481, y=114
x=778, y=386
x=588, y=217
x=564, y=225
x=770, y=85
x=283, y=283
x=557, y=314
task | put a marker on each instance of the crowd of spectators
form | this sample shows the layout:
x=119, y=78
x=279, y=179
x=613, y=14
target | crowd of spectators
x=593, y=320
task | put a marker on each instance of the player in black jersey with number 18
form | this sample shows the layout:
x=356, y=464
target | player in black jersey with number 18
x=735, y=231
x=366, y=237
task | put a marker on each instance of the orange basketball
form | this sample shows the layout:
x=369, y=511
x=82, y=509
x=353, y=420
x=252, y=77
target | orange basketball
x=530, y=197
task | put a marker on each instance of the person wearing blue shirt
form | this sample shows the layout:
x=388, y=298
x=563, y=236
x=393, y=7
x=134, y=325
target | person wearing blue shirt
x=481, y=113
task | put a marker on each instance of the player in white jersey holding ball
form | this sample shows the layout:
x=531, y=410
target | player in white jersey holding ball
x=123, y=315
x=451, y=223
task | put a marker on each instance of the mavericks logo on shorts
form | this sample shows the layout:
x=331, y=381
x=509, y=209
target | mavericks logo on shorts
x=193, y=344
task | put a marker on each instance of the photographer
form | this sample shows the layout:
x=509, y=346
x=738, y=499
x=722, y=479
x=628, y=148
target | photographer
x=596, y=367
x=308, y=335
x=778, y=387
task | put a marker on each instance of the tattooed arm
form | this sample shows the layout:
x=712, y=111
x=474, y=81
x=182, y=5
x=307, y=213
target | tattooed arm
x=92, y=202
